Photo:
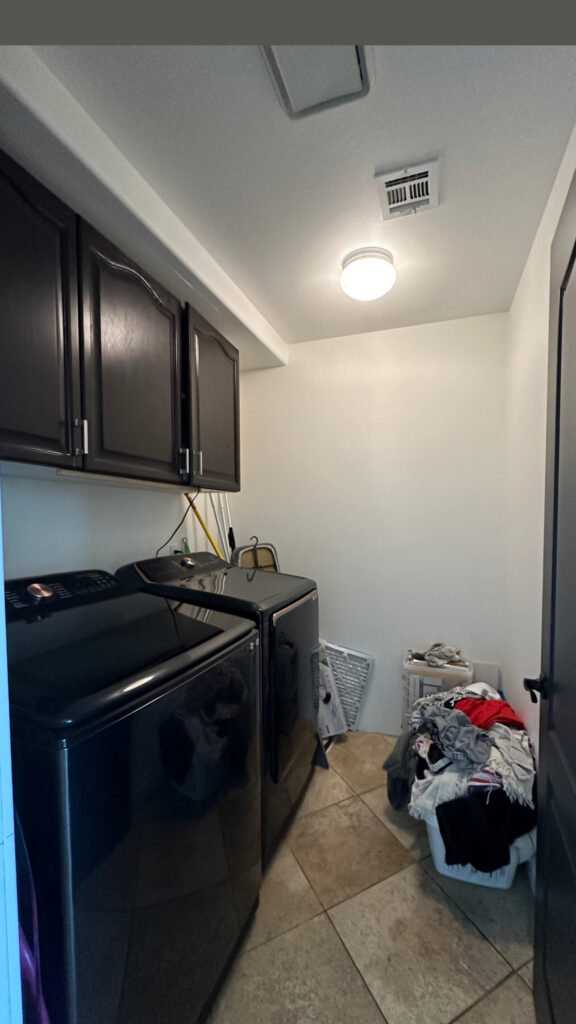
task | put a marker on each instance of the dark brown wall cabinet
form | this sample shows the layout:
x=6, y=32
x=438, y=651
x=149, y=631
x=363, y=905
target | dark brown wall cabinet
x=39, y=374
x=131, y=345
x=211, y=406
x=100, y=367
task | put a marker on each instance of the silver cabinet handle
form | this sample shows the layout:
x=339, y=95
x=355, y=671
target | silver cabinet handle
x=130, y=270
x=199, y=462
x=184, y=471
x=84, y=425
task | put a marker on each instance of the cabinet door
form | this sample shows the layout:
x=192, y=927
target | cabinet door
x=39, y=377
x=131, y=337
x=212, y=371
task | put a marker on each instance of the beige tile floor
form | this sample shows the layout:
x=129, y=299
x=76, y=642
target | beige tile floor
x=355, y=926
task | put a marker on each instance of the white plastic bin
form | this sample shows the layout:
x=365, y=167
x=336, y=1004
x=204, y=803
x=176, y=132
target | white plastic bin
x=502, y=878
x=422, y=680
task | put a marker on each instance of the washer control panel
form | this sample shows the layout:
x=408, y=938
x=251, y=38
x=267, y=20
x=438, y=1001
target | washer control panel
x=35, y=595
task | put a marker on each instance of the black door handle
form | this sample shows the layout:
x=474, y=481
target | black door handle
x=535, y=686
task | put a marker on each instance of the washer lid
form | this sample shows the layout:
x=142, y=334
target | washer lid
x=73, y=663
x=215, y=584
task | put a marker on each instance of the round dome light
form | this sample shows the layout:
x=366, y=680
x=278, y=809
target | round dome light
x=367, y=274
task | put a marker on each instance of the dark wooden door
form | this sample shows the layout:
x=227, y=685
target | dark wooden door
x=212, y=370
x=131, y=344
x=39, y=375
x=555, y=972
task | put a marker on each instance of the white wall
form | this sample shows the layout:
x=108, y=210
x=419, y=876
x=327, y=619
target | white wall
x=375, y=465
x=53, y=523
x=526, y=383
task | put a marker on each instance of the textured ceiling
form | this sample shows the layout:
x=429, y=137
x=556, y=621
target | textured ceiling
x=278, y=202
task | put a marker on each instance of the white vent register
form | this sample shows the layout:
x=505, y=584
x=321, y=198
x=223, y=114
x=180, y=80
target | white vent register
x=408, y=190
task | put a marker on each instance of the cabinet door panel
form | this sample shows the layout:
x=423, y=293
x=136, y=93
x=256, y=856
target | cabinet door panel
x=39, y=382
x=131, y=344
x=214, y=408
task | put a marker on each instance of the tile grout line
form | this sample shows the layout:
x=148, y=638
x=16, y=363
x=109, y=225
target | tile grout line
x=365, y=792
x=483, y=997
x=380, y=819
x=359, y=796
x=511, y=970
x=359, y=792
x=340, y=776
x=356, y=968
x=323, y=913
x=265, y=942
x=317, y=913
x=244, y=953
x=293, y=852
x=350, y=896
x=524, y=982
x=344, y=779
x=315, y=810
x=407, y=848
x=468, y=918
x=335, y=804
x=353, y=896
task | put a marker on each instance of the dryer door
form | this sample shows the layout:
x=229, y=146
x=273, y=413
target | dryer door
x=292, y=702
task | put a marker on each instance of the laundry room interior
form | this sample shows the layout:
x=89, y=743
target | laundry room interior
x=391, y=451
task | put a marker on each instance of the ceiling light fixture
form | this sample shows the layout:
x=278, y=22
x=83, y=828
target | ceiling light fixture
x=367, y=274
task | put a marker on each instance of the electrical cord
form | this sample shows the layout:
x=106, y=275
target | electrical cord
x=178, y=527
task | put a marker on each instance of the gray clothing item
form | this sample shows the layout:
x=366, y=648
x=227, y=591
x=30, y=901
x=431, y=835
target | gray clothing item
x=511, y=756
x=446, y=698
x=465, y=744
x=401, y=768
x=440, y=654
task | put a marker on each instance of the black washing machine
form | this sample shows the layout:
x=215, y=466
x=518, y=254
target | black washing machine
x=285, y=608
x=136, y=763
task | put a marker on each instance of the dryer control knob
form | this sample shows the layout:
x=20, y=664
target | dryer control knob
x=40, y=591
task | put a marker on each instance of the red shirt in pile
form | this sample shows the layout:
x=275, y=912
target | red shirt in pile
x=485, y=713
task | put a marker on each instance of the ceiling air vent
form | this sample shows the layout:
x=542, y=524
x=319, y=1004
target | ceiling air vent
x=409, y=189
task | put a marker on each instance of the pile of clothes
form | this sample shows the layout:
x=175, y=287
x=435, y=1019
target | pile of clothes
x=466, y=765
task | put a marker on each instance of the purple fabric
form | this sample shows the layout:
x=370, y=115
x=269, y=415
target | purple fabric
x=33, y=1001
x=33, y=1005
